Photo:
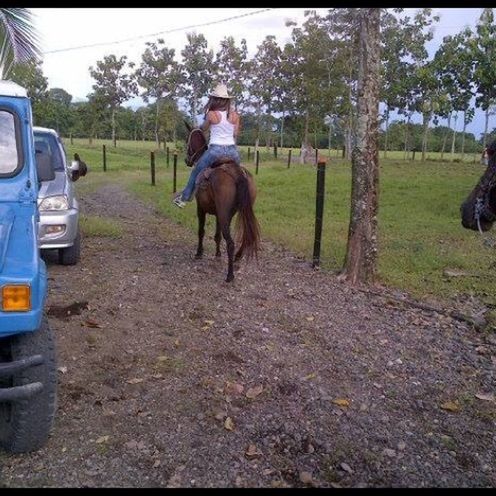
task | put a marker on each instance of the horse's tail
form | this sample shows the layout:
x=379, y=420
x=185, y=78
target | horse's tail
x=247, y=227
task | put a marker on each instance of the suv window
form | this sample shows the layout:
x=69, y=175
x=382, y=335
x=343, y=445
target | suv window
x=47, y=143
x=9, y=157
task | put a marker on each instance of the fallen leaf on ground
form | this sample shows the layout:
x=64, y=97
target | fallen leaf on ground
x=233, y=388
x=209, y=322
x=450, y=406
x=341, y=402
x=455, y=273
x=92, y=323
x=310, y=318
x=313, y=375
x=254, y=392
x=102, y=439
x=306, y=477
x=134, y=381
x=252, y=452
x=485, y=396
x=156, y=463
x=62, y=370
x=229, y=424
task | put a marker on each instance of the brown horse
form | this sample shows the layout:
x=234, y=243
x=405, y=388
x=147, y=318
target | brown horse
x=478, y=211
x=224, y=189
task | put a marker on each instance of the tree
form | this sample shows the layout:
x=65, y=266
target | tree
x=231, y=68
x=263, y=81
x=30, y=76
x=197, y=67
x=361, y=255
x=159, y=75
x=454, y=70
x=483, y=50
x=18, y=38
x=112, y=86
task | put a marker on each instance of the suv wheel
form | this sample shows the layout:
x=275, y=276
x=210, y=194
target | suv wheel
x=71, y=255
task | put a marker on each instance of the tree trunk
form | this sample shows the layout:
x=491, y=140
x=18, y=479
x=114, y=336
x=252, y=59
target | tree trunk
x=453, y=141
x=445, y=137
x=426, y=117
x=282, y=129
x=193, y=110
x=405, y=139
x=361, y=253
x=486, y=125
x=386, y=133
x=304, y=145
x=114, y=141
x=157, y=110
x=257, y=139
x=329, y=140
x=463, y=135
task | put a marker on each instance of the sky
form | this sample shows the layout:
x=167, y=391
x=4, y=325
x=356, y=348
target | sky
x=63, y=28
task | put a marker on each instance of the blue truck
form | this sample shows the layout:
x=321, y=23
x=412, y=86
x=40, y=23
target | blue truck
x=28, y=368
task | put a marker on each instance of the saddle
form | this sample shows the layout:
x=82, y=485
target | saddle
x=223, y=163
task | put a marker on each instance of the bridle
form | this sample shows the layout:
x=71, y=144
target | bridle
x=194, y=156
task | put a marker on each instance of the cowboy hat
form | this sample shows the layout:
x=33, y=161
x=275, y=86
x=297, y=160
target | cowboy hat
x=220, y=91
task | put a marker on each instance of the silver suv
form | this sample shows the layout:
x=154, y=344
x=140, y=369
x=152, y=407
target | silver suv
x=57, y=203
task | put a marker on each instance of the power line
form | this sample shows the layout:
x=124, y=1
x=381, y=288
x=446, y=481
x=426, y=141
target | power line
x=157, y=34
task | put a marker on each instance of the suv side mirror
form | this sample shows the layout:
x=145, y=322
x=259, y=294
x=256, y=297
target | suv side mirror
x=74, y=170
x=44, y=167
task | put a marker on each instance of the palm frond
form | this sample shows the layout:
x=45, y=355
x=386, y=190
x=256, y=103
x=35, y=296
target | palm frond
x=19, y=41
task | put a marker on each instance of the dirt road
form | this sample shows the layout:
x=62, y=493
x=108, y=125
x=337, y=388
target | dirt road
x=171, y=377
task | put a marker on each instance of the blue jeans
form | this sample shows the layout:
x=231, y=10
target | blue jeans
x=213, y=153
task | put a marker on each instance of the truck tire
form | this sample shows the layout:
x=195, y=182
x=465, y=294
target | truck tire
x=26, y=424
x=71, y=255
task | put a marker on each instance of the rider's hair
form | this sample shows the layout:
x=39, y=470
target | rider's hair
x=216, y=103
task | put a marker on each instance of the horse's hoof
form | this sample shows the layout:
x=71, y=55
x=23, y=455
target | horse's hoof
x=198, y=256
x=230, y=278
x=218, y=255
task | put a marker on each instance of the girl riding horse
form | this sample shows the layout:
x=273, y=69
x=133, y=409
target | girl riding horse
x=223, y=123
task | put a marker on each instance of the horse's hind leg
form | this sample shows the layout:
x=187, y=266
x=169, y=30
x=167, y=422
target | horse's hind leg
x=218, y=237
x=239, y=254
x=201, y=231
x=224, y=222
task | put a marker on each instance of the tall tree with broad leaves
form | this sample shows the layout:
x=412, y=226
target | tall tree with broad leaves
x=160, y=76
x=198, y=71
x=361, y=255
x=113, y=86
x=483, y=50
x=454, y=69
x=264, y=82
x=19, y=40
x=231, y=67
x=30, y=76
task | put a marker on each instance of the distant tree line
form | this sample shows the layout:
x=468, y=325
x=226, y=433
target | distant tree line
x=301, y=93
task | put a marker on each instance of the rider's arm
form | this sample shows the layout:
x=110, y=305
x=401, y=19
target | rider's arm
x=237, y=126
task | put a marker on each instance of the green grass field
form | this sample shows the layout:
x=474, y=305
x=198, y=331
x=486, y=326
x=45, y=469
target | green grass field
x=420, y=234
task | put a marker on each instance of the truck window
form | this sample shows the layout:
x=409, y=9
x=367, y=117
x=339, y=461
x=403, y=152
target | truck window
x=47, y=143
x=9, y=158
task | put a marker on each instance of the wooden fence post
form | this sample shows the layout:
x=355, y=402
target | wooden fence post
x=258, y=160
x=319, y=211
x=167, y=157
x=152, y=167
x=289, y=157
x=104, y=158
x=174, y=183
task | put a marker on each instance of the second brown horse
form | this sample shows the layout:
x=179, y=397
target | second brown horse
x=227, y=189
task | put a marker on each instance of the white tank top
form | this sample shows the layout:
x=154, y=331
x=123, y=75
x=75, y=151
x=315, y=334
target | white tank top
x=223, y=132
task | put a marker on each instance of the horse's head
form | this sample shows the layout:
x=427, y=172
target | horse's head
x=478, y=211
x=196, y=145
